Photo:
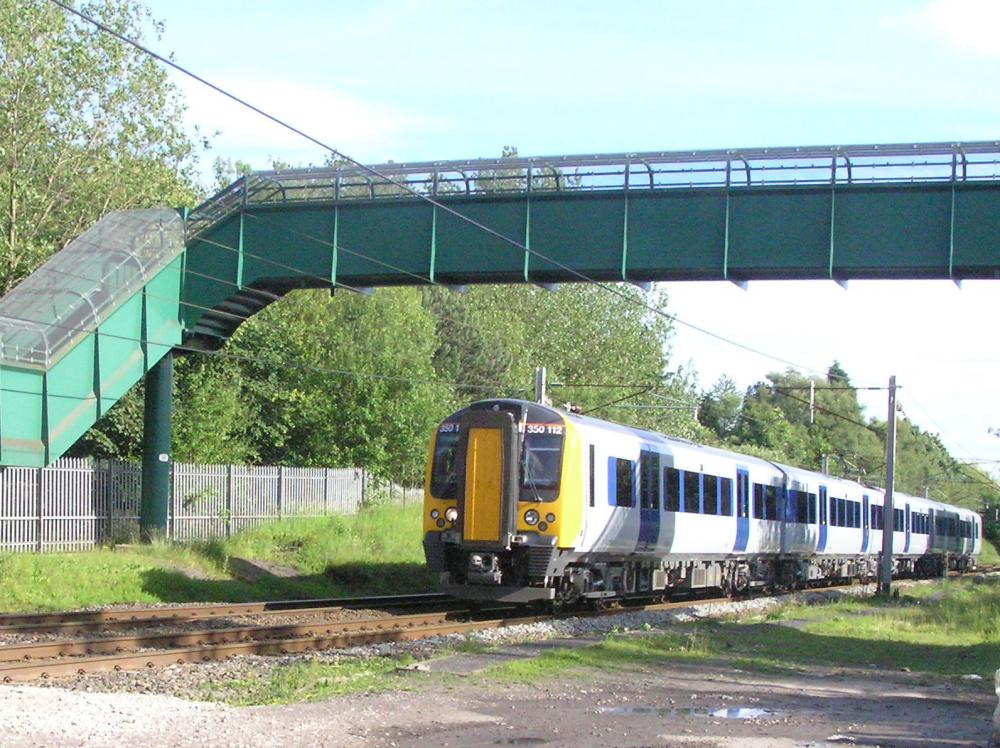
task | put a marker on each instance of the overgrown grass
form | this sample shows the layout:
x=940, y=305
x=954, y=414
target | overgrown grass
x=376, y=551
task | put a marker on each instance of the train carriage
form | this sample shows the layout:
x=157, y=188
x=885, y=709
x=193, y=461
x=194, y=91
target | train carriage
x=525, y=502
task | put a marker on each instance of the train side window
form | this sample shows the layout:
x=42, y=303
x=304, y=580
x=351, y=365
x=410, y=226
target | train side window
x=742, y=494
x=592, y=470
x=726, y=497
x=802, y=504
x=623, y=482
x=771, y=502
x=671, y=489
x=649, y=486
x=711, y=492
x=897, y=520
x=811, y=508
x=692, y=491
x=758, y=501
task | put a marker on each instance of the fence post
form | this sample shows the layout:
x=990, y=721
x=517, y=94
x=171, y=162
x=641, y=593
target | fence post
x=326, y=491
x=40, y=521
x=281, y=488
x=229, y=500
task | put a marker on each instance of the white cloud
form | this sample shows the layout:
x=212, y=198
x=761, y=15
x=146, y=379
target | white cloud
x=352, y=125
x=966, y=25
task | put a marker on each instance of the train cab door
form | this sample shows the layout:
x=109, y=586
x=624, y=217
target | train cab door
x=823, y=508
x=487, y=472
x=742, y=510
x=865, y=521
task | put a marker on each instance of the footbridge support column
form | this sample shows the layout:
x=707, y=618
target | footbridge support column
x=153, y=513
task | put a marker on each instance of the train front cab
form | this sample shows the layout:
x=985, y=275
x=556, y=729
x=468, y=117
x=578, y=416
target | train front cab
x=494, y=514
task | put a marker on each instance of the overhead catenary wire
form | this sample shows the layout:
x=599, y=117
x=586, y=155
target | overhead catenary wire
x=423, y=196
x=416, y=193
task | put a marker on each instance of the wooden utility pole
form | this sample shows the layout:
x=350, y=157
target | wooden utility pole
x=888, y=526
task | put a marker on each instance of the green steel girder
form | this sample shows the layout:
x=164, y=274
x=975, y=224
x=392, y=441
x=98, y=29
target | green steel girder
x=892, y=231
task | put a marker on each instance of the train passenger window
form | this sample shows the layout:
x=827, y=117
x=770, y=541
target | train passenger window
x=897, y=520
x=758, y=501
x=444, y=480
x=811, y=508
x=726, y=497
x=771, y=502
x=671, y=489
x=692, y=491
x=802, y=504
x=649, y=486
x=876, y=517
x=623, y=482
x=711, y=492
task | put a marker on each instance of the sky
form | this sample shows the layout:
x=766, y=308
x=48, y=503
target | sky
x=416, y=80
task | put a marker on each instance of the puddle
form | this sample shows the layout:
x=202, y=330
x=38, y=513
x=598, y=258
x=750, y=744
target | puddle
x=737, y=712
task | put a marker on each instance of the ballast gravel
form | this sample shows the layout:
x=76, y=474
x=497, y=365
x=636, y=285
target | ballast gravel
x=164, y=705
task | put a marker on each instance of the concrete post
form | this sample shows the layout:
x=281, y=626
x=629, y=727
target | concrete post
x=153, y=512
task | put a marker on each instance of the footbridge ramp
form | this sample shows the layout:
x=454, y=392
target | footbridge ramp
x=77, y=333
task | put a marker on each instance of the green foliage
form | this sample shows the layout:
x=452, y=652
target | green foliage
x=776, y=422
x=720, y=408
x=342, y=380
x=492, y=338
x=87, y=125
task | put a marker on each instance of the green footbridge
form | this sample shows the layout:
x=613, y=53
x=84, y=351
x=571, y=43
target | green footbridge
x=109, y=308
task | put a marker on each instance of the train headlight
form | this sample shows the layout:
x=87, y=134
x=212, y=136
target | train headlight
x=451, y=514
x=531, y=517
x=435, y=514
x=550, y=518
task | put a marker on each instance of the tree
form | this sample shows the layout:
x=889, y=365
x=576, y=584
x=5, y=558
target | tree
x=87, y=125
x=345, y=380
x=720, y=408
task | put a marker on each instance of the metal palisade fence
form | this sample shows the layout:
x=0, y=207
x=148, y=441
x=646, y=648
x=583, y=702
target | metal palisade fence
x=77, y=504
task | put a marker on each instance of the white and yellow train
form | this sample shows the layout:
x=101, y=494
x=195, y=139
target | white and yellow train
x=524, y=502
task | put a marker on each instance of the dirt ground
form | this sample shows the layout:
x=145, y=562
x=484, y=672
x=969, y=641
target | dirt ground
x=664, y=705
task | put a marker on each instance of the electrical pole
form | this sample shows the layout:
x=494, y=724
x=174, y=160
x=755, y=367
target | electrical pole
x=888, y=525
x=540, y=394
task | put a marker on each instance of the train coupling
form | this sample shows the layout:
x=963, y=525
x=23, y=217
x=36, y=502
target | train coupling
x=483, y=568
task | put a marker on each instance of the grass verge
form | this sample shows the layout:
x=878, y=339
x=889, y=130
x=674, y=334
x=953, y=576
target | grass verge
x=946, y=629
x=312, y=681
x=377, y=551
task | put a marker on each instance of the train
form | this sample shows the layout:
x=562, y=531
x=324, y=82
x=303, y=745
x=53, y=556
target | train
x=527, y=503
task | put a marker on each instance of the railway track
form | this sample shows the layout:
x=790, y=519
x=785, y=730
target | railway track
x=63, y=657
x=91, y=619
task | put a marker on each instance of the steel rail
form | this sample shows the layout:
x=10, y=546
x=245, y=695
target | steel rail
x=24, y=671
x=181, y=613
x=206, y=637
